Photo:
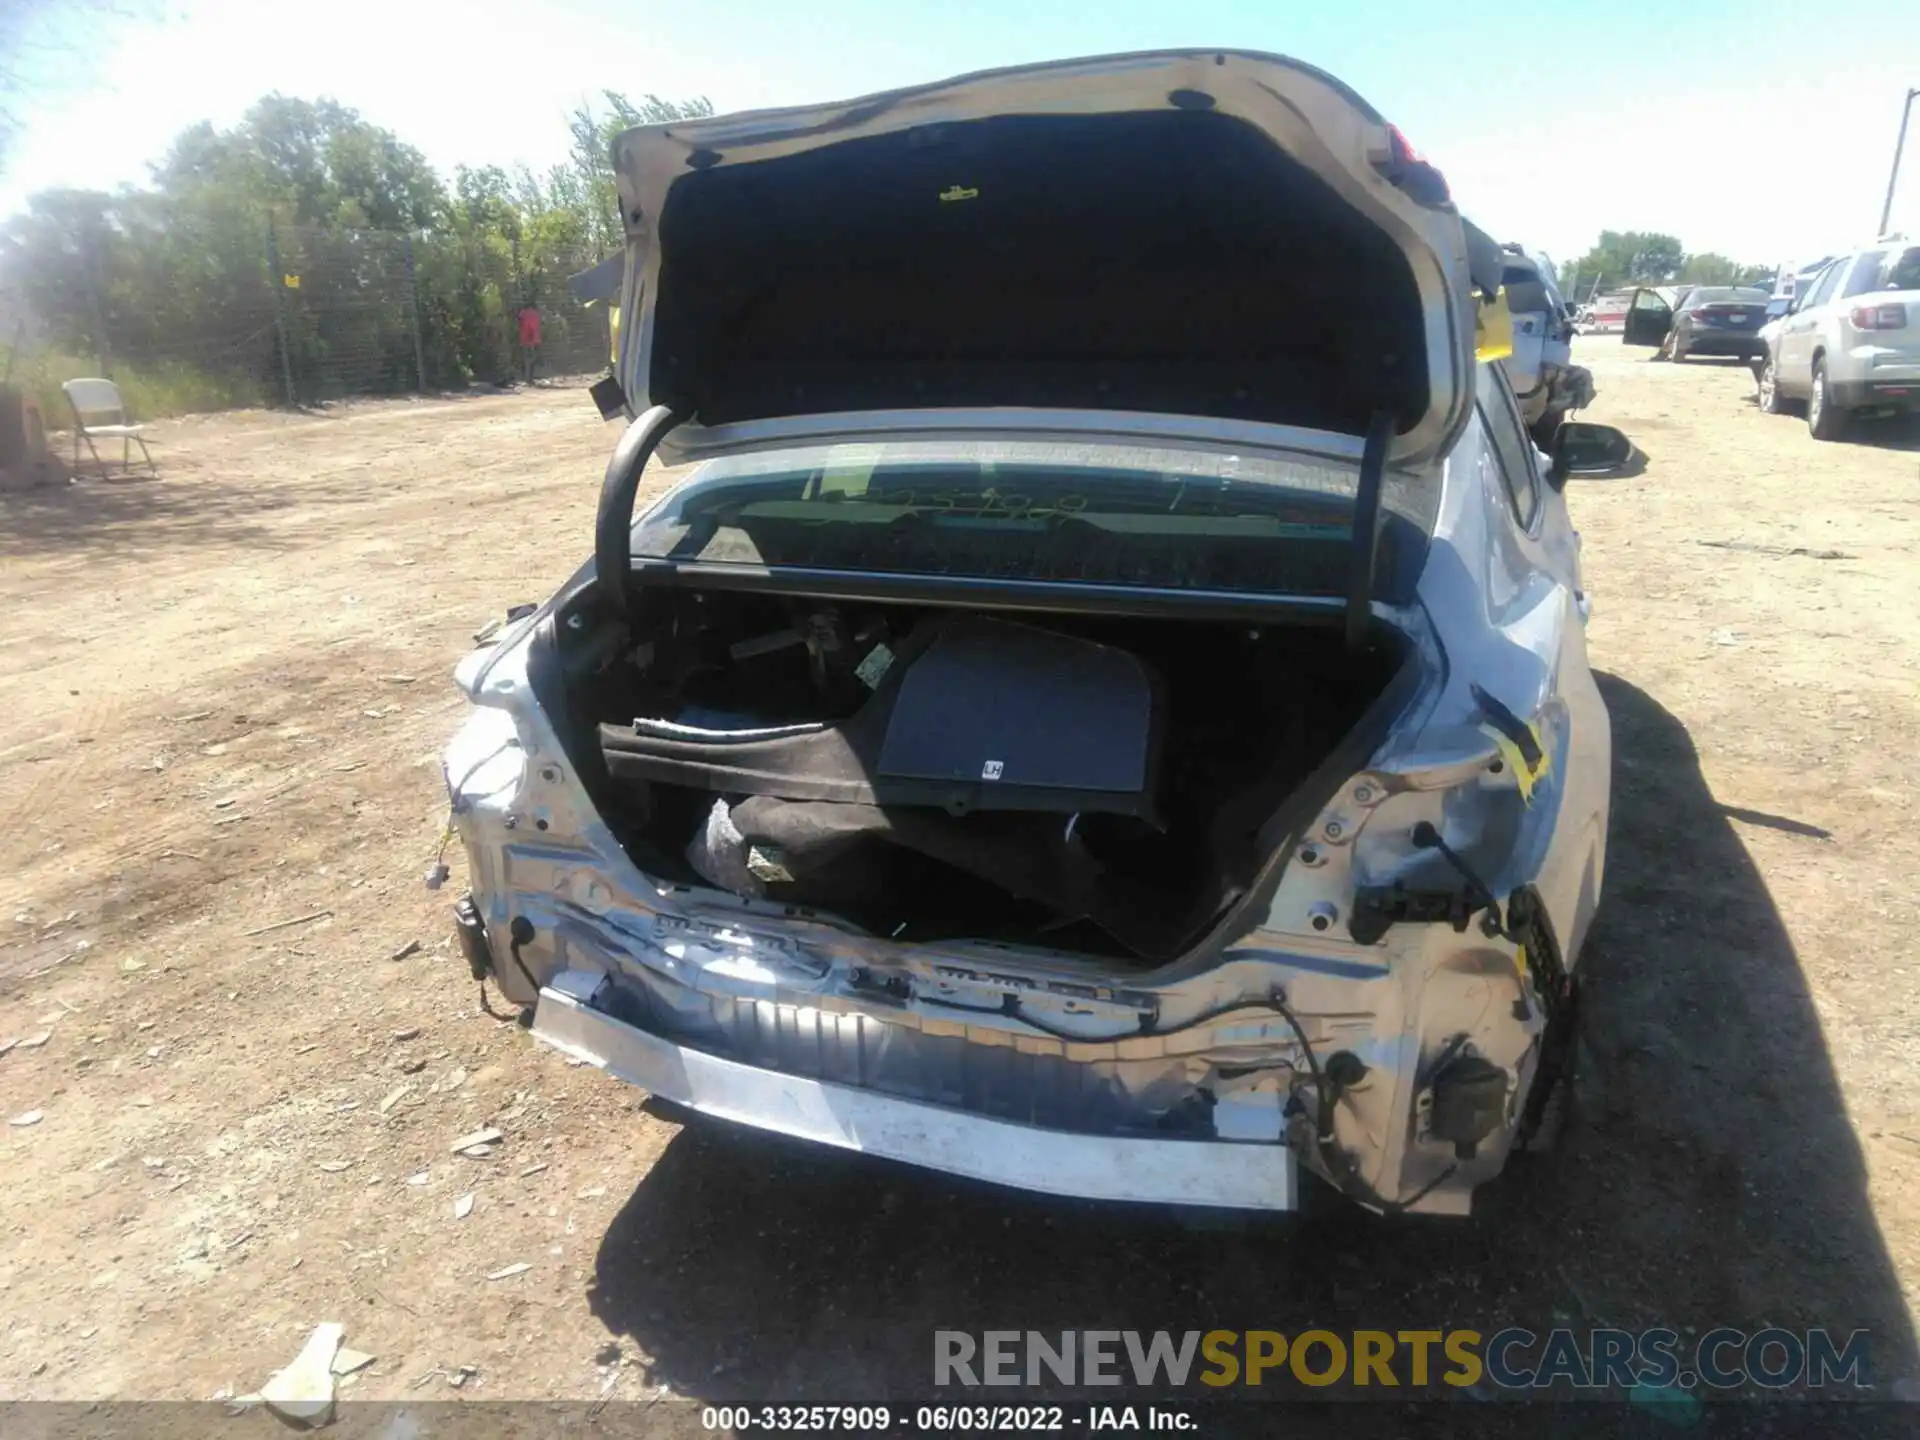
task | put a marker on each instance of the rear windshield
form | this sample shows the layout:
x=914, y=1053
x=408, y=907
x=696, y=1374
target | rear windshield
x=1526, y=291
x=1093, y=514
x=1709, y=295
x=1903, y=271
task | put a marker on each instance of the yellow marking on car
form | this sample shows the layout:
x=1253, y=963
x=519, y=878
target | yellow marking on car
x=1527, y=775
x=1493, y=328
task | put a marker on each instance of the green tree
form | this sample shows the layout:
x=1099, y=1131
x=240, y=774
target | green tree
x=1709, y=268
x=364, y=232
x=591, y=186
x=1628, y=257
x=309, y=162
x=54, y=257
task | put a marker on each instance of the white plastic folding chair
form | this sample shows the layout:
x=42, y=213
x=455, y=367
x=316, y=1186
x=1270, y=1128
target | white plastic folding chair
x=98, y=412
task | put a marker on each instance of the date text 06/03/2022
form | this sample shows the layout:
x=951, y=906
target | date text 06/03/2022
x=935, y=1419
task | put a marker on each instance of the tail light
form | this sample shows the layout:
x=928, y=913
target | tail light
x=1410, y=171
x=1700, y=314
x=1879, y=317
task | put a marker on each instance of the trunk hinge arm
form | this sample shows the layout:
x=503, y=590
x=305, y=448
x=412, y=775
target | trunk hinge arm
x=1366, y=529
x=613, y=523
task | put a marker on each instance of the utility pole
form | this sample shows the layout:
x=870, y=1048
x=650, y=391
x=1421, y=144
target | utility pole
x=413, y=305
x=92, y=251
x=102, y=345
x=279, y=281
x=1893, y=180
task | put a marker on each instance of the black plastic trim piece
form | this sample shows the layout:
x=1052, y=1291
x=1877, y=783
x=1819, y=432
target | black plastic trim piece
x=472, y=931
x=1378, y=908
x=1053, y=596
x=1366, y=530
x=1559, y=992
x=608, y=397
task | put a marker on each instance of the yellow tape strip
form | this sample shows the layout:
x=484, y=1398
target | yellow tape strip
x=1493, y=328
x=1517, y=762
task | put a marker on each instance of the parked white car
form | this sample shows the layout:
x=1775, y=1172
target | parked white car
x=1849, y=345
x=1109, y=713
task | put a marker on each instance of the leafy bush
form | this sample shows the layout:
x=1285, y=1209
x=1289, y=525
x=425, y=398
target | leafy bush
x=150, y=392
x=306, y=255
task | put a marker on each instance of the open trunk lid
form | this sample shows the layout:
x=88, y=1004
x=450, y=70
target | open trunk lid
x=1197, y=245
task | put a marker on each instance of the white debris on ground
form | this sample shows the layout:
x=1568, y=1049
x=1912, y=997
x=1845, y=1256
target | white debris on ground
x=487, y=1138
x=302, y=1393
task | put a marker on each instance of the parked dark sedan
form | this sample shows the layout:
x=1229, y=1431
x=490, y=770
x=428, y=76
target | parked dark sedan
x=1705, y=320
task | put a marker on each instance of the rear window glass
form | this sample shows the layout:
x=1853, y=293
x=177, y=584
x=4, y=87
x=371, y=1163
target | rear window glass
x=1727, y=295
x=1865, y=274
x=1829, y=277
x=1904, y=271
x=1526, y=292
x=1095, y=514
x=1511, y=445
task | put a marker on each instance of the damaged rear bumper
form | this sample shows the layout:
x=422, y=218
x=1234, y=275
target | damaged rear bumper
x=1229, y=1174
x=1394, y=1066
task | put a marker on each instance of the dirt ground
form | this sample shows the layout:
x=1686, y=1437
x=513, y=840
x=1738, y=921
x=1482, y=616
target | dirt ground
x=222, y=697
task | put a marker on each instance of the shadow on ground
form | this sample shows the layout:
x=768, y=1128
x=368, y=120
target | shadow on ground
x=144, y=513
x=1882, y=432
x=189, y=505
x=1635, y=467
x=230, y=480
x=1710, y=1178
x=1894, y=432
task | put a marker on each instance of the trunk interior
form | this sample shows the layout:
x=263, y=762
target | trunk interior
x=1097, y=784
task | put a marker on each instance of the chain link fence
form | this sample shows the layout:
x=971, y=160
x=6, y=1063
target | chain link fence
x=304, y=317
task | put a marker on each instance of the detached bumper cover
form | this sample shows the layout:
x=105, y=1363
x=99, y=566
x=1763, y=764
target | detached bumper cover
x=1233, y=1175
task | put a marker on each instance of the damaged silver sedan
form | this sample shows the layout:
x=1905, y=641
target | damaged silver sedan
x=1109, y=712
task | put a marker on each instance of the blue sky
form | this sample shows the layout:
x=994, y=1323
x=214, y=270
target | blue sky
x=1758, y=129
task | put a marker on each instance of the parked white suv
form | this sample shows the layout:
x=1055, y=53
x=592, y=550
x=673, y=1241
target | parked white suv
x=1850, y=345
